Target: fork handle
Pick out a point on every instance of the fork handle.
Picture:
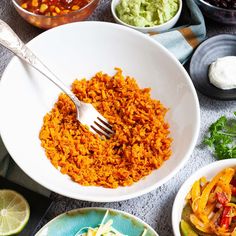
(11, 41)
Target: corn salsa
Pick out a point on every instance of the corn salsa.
(53, 7)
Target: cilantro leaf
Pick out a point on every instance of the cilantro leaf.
(222, 138)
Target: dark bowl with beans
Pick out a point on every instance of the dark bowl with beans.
(222, 11)
(47, 14)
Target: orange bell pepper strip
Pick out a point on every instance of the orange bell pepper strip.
(225, 174)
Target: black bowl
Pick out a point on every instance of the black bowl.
(221, 15)
(211, 49)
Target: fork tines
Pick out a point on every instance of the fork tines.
(102, 127)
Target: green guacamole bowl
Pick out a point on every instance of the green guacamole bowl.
(158, 28)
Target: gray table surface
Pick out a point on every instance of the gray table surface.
(154, 207)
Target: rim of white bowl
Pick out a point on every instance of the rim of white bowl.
(101, 208)
(186, 186)
(144, 190)
(177, 14)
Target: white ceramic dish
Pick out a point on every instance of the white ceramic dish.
(154, 29)
(80, 50)
(209, 172)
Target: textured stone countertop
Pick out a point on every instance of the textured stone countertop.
(154, 207)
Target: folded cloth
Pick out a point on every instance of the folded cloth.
(4, 160)
(181, 41)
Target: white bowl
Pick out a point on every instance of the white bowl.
(154, 29)
(209, 172)
(80, 50)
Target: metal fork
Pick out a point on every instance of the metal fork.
(86, 113)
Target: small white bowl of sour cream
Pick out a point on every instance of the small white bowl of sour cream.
(158, 28)
(212, 67)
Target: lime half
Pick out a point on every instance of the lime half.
(14, 212)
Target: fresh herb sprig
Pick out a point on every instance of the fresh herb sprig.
(222, 138)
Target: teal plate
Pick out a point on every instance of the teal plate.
(69, 223)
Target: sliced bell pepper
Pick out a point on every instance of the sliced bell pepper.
(222, 198)
(225, 219)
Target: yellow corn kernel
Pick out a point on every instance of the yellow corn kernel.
(24, 5)
(43, 8)
(35, 3)
(75, 8)
(54, 14)
(65, 12)
(52, 8)
(57, 10)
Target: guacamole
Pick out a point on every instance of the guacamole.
(146, 13)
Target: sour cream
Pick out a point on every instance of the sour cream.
(222, 72)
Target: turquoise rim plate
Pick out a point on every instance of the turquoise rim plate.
(69, 223)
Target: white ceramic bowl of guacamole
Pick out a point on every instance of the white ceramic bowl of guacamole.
(147, 16)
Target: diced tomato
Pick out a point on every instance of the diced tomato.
(66, 1)
(225, 220)
(222, 198)
(52, 2)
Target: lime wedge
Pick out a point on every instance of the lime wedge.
(14, 212)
